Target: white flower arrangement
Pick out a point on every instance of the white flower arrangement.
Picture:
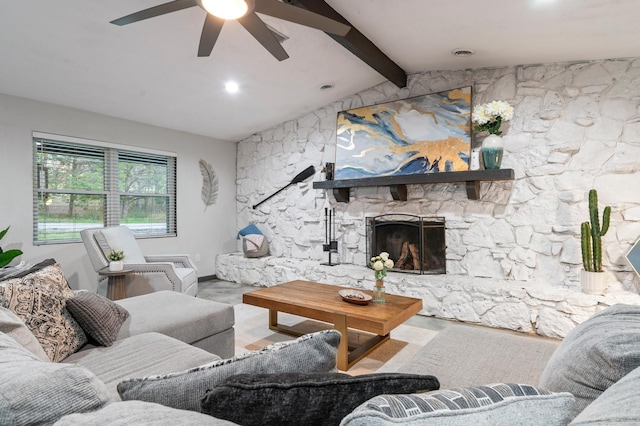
(380, 264)
(491, 115)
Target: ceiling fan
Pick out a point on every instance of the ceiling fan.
(244, 11)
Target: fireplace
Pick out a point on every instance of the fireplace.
(415, 243)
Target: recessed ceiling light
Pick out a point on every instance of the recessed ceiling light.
(462, 52)
(543, 2)
(231, 87)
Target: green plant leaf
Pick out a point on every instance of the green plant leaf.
(4, 232)
(7, 256)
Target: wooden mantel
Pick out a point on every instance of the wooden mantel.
(398, 184)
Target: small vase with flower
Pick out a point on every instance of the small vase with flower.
(115, 260)
(489, 117)
(380, 264)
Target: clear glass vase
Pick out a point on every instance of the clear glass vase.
(378, 292)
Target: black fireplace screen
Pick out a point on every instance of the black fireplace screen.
(415, 243)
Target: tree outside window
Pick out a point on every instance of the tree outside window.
(79, 186)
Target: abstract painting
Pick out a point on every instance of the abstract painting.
(425, 134)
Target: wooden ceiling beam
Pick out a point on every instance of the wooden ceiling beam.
(357, 43)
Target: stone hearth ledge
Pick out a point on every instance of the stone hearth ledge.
(527, 307)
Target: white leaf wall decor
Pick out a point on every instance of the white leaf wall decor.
(209, 184)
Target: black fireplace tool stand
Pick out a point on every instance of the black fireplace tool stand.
(331, 244)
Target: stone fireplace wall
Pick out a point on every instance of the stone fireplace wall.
(513, 257)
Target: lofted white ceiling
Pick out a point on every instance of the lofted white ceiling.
(66, 52)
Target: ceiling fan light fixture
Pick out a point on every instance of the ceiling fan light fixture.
(228, 9)
(244, 12)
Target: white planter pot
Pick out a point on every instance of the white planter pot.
(593, 282)
(116, 265)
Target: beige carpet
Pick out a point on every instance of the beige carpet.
(461, 356)
(252, 332)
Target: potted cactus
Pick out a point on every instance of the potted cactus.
(592, 277)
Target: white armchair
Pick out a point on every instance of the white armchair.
(153, 273)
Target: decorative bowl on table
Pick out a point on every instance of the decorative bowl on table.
(355, 296)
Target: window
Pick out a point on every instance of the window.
(82, 184)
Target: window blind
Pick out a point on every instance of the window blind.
(78, 186)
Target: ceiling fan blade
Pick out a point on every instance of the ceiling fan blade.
(265, 37)
(210, 33)
(152, 12)
(301, 16)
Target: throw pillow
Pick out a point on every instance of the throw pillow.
(254, 245)
(13, 326)
(140, 413)
(249, 229)
(315, 352)
(303, 398)
(38, 299)
(595, 355)
(491, 405)
(98, 316)
(119, 238)
(618, 405)
(11, 271)
(36, 392)
(31, 269)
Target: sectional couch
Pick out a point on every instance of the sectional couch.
(164, 332)
(154, 359)
(104, 343)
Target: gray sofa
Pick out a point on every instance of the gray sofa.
(165, 332)
(157, 333)
(161, 379)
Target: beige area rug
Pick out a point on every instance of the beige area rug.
(252, 332)
(461, 356)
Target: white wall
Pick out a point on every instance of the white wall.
(206, 233)
(513, 257)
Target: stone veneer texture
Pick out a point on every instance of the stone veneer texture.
(513, 257)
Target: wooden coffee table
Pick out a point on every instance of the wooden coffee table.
(323, 303)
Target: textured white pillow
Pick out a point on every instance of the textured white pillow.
(595, 355)
(36, 392)
(120, 238)
(618, 405)
(13, 326)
